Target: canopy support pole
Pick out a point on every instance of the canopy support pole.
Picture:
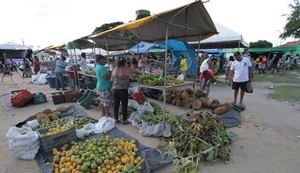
(106, 45)
(76, 72)
(196, 73)
(165, 76)
(239, 46)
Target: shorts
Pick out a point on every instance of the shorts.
(237, 85)
(105, 97)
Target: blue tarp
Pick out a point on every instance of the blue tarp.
(215, 53)
(141, 47)
(182, 48)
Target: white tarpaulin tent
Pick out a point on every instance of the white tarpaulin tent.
(226, 38)
(12, 46)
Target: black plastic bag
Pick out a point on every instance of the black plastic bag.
(249, 88)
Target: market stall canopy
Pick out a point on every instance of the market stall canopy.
(141, 47)
(56, 47)
(81, 43)
(226, 38)
(12, 46)
(111, 41)
(190, 22)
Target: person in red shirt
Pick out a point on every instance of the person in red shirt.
(207, 77)
(37, 64)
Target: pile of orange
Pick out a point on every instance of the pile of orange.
(97, 155)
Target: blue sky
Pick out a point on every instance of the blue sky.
(45, 22)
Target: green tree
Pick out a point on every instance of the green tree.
(125, 34)
(260, 43)
(292, 27)
(106, 26)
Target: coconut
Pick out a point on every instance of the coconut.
(214, 106)
(228, 105)
(57, 113)
(215, 101)
(53, 116)
(197, 104)
(203, 101)
(45, 119)
(62, 109)
(47, 111)
(209, 103)
(220, 110)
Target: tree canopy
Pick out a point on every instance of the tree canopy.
(106, 26)
(260, 44)
(292, 27)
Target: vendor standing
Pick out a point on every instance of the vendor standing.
(183, 65)
(60, 68)
(120, 85)
(103, 85)
(83, 64)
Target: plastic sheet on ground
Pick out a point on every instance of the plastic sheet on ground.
(145, 129)
(231, 117)
(153, 158)
(39, 79)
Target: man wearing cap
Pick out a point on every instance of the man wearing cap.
(241, 73)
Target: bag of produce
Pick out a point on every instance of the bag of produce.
(23, 142)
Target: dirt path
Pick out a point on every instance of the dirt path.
(270, 133)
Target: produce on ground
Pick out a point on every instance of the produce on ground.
(77, 121)
(183, 97)
(104, 154)
(157, 116)
(154, 80)
(201, 137)
(57, 129)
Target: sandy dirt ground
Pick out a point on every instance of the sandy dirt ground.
(269, 135)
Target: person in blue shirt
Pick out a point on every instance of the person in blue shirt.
(103, 85)
(59, 73)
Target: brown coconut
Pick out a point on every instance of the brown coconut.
(204, 101)
(220, 110)
(47, 111)
(197, 104)
(214, 106)
(57, 113)
(53, 116)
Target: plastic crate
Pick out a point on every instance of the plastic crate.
(51, 141)
(72, 96)
(39, 98)
(21, 99)
(58, 98)
(13, 93)
(87, 99)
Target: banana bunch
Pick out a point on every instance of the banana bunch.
(129, 168)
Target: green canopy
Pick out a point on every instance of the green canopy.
(272, 49)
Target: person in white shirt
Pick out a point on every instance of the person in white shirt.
(241, 72)
(205, 65)
(83, 64)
